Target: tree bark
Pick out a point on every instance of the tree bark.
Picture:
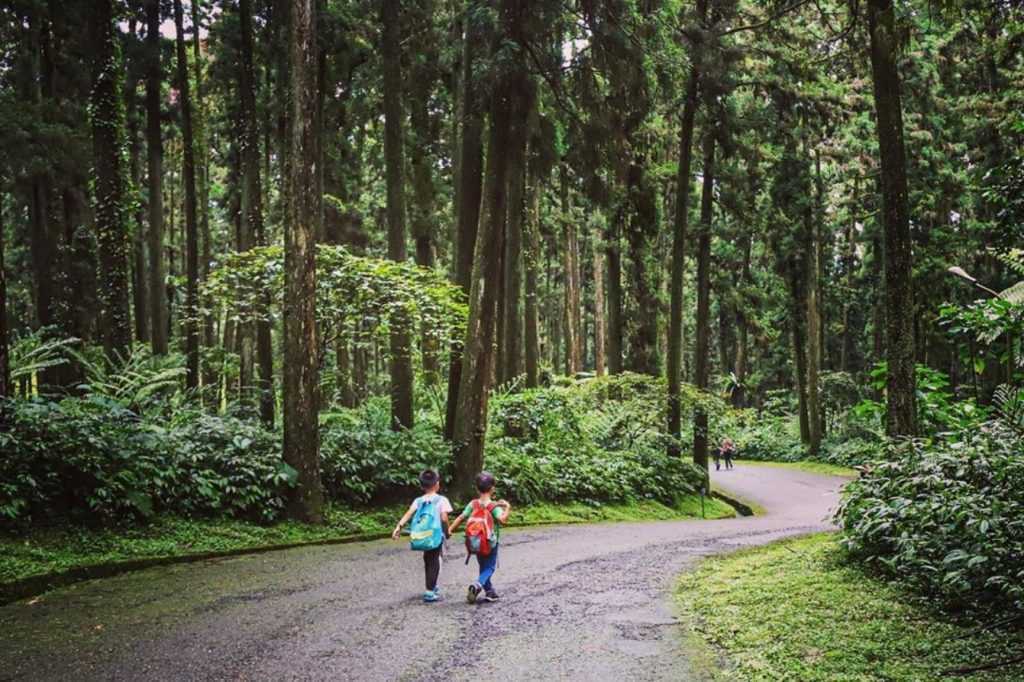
(154, 182)
(679, 236)
(478, 353)
(613, 250)
(512, 341)
(424, 75)
(531, 264)
(702, 355)
(6, 388)
(252, 210)
(643, 355)
(813, 312)
(191, 223)
(401, 352)
(570, 265)
(301, 349)
(901, 409)
(111, 235)
(470, 191)
(599, 326)
(739, 395)
(139, 285)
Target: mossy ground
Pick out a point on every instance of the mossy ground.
(796, 610)
(48, 550)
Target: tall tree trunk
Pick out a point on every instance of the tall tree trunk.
(531, 264)
(401, 353)
(679, 236)
(599, 326)
(423, 195)
(901, 409)
(154, 182)
(643, 355)
(191, 226)
(739, 394)
(301, 348)
(798, 308)
(570, 264)
(252, 209)
(813, 312)
(513, 324)
(702, 352)
(470, 191)
(478, 349)
(614, 254)
(6, 388)
(139, 294)
(107, 134)
(849, 260)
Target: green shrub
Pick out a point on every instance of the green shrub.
(93, 459)
(947, 516)
(363, 460)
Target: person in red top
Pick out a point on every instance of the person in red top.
(488, 562)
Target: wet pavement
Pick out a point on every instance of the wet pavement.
(578, 603)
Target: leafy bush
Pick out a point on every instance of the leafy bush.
(93, 459)
(766, 437)
(947, 516)
(363, 460)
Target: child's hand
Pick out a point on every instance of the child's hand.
(396, 532)
(503, 503)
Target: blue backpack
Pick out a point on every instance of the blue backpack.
(426, 533)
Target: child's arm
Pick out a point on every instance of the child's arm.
(444, 524)
(455, 524)
(505, 509)
(401, 522)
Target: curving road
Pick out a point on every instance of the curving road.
(582, 602)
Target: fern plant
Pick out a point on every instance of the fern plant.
(34, 352)
(134, 380)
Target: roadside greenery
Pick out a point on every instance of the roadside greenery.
(796, 610)
(54, 549)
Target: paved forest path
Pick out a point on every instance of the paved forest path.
(588, 602)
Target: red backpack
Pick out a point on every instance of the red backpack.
(480, 529)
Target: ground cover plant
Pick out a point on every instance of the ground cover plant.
(799, 610)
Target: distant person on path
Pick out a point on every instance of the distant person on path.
(727, 451)
(429, 514)
(484, 518)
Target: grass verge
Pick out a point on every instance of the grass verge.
(53, 550)
(794, 610)
(807, 465)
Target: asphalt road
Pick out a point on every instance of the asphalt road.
(578, 603)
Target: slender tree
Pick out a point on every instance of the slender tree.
(301, 347)
(154, 182)
(252, 204)
(188, 174)
(600, 330)
(901, 409)
(107, 133)
(6, 389)
(469, 193)
(702, 354)
(401, 351)
(531, 266)
(478, 355)
(679, 236)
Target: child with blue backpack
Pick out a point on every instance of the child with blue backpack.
(429, 515)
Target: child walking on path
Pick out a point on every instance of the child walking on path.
(430, 521)
(483, 532)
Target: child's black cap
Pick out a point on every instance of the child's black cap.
(429, 478)
(485, 482)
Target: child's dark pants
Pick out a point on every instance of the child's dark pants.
(432, 566)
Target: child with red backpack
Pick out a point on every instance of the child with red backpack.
(484, 518)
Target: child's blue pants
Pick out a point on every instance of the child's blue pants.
(487, 565)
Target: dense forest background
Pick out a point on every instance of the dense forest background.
(260, 252)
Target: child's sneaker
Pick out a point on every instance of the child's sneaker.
(429, 596)
(489, 596)
(472, 592)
